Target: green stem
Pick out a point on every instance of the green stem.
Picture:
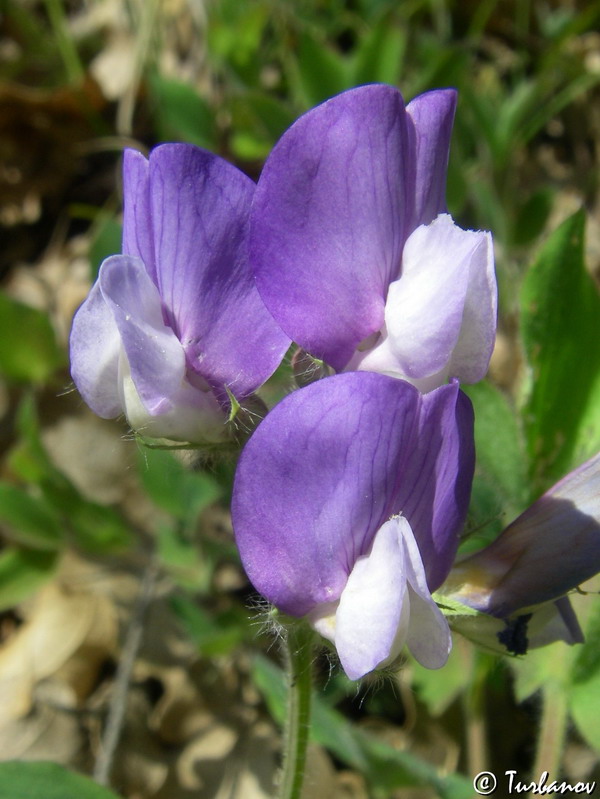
(297, 724)
(475, 721)
(56, 15)
(146, 28)
(553, 727)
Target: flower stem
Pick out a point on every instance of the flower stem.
(476, 728)
(297, 725)
(553, 727)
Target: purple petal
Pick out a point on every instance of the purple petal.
(200, 206)
(432, 115)
(435, 491)
(155, 356)
(94, 351)
(316, 481)
(330, 217)
(548, 550)
(331, 463)
(138, 238)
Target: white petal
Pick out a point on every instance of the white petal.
(429, 638)
(191, 416)
(440, 315)
(473, 350)
(370, 607)
(95, 343)
(424, 308)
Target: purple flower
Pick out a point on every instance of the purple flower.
(352, 251)
(347, 505)
(175, 322)
(547, 551)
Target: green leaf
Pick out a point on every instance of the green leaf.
(41, 780)
(181, 114)
(560, 324)
(584, 704)
(531, 217)
(321, 72)
(514, 109)
(500, 485)
(28, 348)
(247, 146)
(172, 487)
(31, 520)
(587, 662)
(106, 241)
(266, 117)
(96, 528)
(584, 689)
(22, 572)
(437, 690)
(214, 635)
(380, 53)
(187, 564)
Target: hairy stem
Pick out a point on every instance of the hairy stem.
(297, 724)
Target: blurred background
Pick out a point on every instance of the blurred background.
(103, 540)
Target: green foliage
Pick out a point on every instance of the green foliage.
(586, 664)
(380, 52)
(437, 690)
(93, 527)
(28, 520)
(321, 71)
(258, 120)
(386, 768)
(106, 241)
(500, 485)
(173, 487)
(182, 494)
(181, 114)
(560, 313)
(22, 572)
(42, 780)
(214, 634)
(574, 672)
(29, 351)
(585, 679)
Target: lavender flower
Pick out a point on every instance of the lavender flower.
(347, 504)
(175, 322)
(353, 252)
(546, 552)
